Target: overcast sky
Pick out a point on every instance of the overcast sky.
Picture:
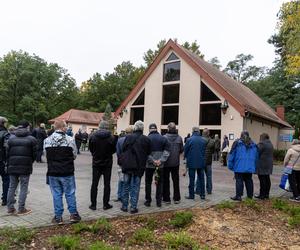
(91, 36)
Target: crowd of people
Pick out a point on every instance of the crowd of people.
(156, 156)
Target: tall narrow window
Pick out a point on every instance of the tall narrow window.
(171, 72)
(171, 93)
(170, 114)
(137, 108)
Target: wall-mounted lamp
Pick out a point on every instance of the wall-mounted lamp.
(124, 111)
(224, 107)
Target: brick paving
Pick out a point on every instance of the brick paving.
(40, 200)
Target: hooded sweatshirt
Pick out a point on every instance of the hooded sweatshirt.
(102, 146)
(176, 148)
(291, 157)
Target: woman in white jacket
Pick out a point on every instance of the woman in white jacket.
(292, 160)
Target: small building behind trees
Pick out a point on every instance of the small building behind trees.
(181, 87)
(81, 119)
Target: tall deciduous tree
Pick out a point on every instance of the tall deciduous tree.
(240, 70)
(32, 89)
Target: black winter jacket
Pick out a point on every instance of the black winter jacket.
(102, 146)
(142, 147)
(21, 152)
(175, 149)
(265, 160)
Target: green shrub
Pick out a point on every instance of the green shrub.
(17, 236)
(294, 221)
(226, 204)
(293, 210)
(141, 235)
(180, 240)
(100, 245)
(66, 242)
(151, 223)
(252, 204)
(101, 225)
(278, 155)
(280, 204)
(3, 246)
(181, 219)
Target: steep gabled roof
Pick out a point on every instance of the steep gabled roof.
(238, 95)
(80, 116)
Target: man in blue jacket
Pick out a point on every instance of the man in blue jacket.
(194, 151)
(242, 161)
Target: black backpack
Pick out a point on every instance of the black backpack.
(128, 158)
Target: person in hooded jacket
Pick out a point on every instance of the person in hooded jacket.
(194, 151)
(4, 135)
(292, 159)
(157, 158)
(171, 166)
(102, 146)
(264, 166)
(137, 147)
(21, 154)
(242, 161)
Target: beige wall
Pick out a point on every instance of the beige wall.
(256, 128)
(76, 127)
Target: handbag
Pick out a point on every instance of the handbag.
(284, 181)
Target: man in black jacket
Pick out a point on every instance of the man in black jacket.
(21, 155)
(172, 165)
(136, 149)
(4, 135)
(40, 135)
(102, 146)
(61, 152)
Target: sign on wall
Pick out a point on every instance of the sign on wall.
(286, 137)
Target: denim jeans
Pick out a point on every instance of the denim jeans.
(200, 183)
(208, 173)
(13, 184)
(131, 185)
(59, 186)
(120, 183)
(5, 182)
(240, 178)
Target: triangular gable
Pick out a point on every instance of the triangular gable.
(213, 79)
(140, 100)
(172, 57)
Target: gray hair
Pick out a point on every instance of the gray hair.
(172, 127)
(195, 129)
(138, 126)
(104, 125)
(3, 120)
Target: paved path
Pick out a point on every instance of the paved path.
(40, 200)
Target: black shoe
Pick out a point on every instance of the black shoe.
(117, 200)
(158, 204)
(189, 197)
(74, 218)
(258, 196)
(4, 203)
(58, 221)
(124, 209)
(107, 206)
(134, 210)
(167, 202)
(236, 198)
(92, 207)
(202, 197)
(147, 203)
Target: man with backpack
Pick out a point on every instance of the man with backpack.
(135, 151)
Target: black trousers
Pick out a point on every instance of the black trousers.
(5, 182)
(265, 185)
(240, 179)
(224, 157)
(294, 180)
(97, 172)
(174, 171)
(159, 186)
